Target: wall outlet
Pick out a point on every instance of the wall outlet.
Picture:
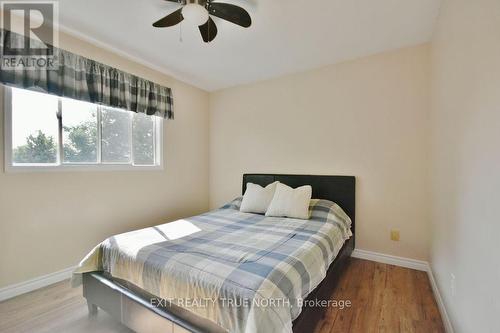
(453, 285)
(395, 235)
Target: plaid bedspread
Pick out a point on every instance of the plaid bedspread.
(244, 272)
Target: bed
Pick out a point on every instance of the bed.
(224, 270)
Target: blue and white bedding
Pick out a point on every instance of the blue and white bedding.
(244, 272)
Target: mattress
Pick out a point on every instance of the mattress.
(243, 272)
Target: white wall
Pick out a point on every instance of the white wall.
(367, 118)
(465, 173)
(49, 221)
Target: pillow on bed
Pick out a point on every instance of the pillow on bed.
(257, 198)
(328, 211)
(290, 202)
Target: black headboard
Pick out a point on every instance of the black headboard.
(339, 189)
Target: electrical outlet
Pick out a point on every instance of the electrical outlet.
(395, 235)
(453, 285)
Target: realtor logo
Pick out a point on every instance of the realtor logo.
(28, 35)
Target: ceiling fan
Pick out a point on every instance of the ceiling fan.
(198, 12)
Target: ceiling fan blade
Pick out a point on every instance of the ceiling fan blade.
(170, 20)
(231, 13)
(182, 2)
(208, 30)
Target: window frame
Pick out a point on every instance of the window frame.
(9, 166)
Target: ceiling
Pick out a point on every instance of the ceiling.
(287, 36)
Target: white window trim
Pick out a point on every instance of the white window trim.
(9, 167)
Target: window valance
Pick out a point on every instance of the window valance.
(80, 78)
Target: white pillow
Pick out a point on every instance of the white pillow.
(289, 202)
(256, 198)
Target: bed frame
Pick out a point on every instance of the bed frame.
(131, 305)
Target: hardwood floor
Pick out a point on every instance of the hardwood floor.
(384, 299)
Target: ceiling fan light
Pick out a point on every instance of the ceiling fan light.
(195, 14)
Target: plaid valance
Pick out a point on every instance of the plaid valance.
(80, 78)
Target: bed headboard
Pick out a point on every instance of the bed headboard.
(339, 189)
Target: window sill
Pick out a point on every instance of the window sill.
(80, 168)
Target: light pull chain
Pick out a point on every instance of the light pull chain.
(209, 25)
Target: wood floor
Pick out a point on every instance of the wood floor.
(384, 299)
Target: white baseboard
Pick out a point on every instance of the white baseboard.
(36, 283)
(391, 260)
(413, 264)
(439, 300)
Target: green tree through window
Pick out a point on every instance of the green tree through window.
(81, 144)
(143, 133)
(115, 136)
(39, 148)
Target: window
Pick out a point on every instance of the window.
(48, 132)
